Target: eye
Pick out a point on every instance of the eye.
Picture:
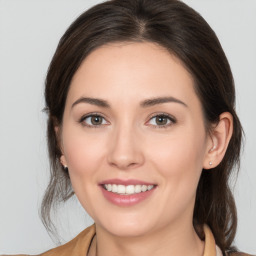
(162, 120)
(93, 120)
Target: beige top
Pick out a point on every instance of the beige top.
(80, 244)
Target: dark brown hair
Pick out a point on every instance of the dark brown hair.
(184, 33)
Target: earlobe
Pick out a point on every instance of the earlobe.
(220, 137)
(63, 161)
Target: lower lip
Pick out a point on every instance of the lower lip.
(126, 200)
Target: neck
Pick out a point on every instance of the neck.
(180, 240)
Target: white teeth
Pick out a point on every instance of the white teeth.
(127, 190)
(120, 189)
(114, 188)
(150, 187)
(137, 188)
(144, 188)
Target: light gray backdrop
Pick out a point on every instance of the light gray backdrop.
(29, 33)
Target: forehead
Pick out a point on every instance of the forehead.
(132, 70)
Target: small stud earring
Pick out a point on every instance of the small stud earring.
(210, 163)
(65, 168)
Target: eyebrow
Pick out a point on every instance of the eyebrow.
(145, 103)
(160, 100)
(92, 101)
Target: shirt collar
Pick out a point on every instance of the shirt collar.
(85, 238)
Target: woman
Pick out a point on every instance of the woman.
(142, 129)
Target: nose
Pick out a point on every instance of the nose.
(125, 149)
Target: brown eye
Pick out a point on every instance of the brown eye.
(162, 121)
(96, 120)
(93, 120)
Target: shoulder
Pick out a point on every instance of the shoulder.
(212, 249)
(76, 247)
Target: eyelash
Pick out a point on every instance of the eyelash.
(163, 115)
(170, 118)
(82, 119)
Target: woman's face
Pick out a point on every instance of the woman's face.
(132, 118)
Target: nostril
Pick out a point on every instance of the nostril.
(124, 152)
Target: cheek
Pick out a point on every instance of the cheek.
(179, 159)
(179, 162)
(82, 152)
(178, 151)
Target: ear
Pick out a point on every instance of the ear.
(57, 130)
(219, 140)
(63, 161)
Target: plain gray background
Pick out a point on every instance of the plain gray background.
(29, 33)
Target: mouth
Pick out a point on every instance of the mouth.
(126, 192)
(127, 189)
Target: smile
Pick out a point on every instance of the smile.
(127, 190)
(126, 193)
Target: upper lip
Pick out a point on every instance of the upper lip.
(125, 182)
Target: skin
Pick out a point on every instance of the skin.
(129, 143)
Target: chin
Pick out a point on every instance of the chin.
(127, 226)
(128, 230)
